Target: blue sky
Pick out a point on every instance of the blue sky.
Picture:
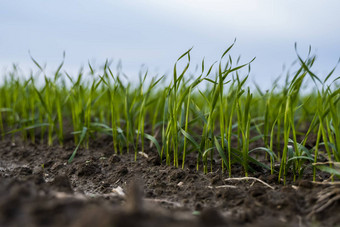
(156, 33)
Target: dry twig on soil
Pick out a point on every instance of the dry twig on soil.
(250, 178)
(223, 186)
(325, 199)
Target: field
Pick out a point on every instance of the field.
(199, 149)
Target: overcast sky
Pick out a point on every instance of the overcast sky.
(156, 33)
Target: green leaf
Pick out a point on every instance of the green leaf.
(270, 152)
(28, 127)
(191, 139)
(43, 102)
(82, 137)
(301, 157)
(205, 153)
(187, 52)
(220, 151)
(329, 170)
(154, 141)
(228, 49)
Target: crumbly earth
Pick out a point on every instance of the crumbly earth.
(100, 188)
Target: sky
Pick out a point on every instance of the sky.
(155, 33)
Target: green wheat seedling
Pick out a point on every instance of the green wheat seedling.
(210, 115)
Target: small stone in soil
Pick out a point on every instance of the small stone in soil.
(305, 184)
(211, 217)
(114, 158)
(134, 202)
(123, 171)
(62, 183)
(198, 207)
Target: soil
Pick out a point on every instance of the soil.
(100, 188)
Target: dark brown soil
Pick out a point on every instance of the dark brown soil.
(39, 188)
